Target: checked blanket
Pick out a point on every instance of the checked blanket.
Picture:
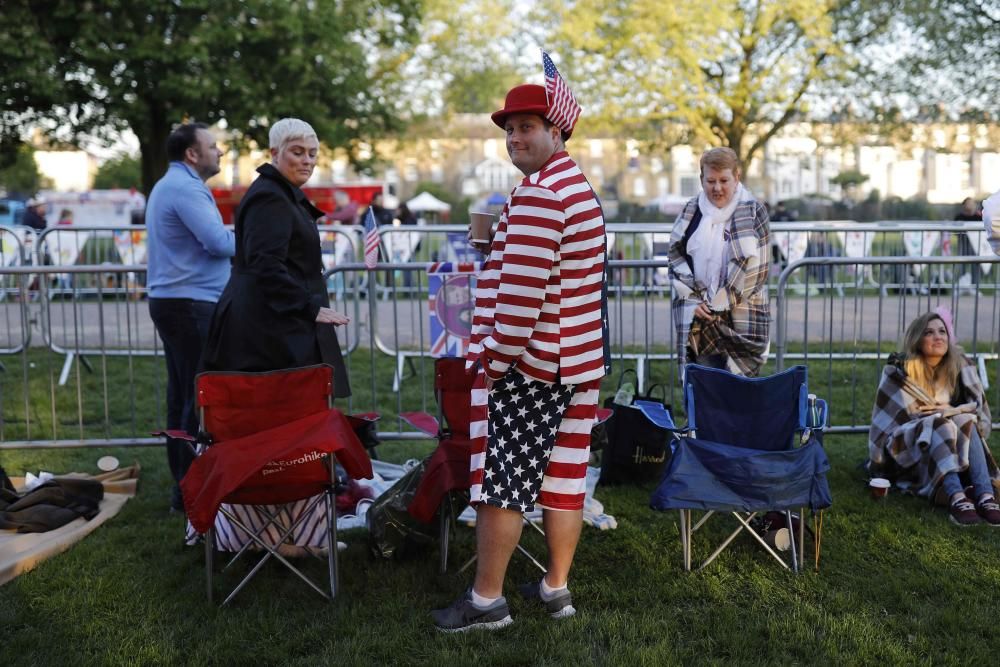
(914, 450)
(740, 331)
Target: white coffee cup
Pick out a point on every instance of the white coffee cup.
(879, 487)
(107, 463)
(780, 539)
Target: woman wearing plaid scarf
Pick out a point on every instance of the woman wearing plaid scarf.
(719, 258)
(930, 424)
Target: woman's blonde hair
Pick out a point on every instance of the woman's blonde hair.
(287, 130)
(720, 159)
(931, 379)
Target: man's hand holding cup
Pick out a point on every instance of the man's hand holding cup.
(481, 231)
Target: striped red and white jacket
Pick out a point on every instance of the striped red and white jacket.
(539, 296)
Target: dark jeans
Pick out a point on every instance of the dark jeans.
(183, 328)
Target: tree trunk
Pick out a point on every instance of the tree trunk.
(735, 135)
(153, 146)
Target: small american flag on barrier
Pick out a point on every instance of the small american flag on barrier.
(371, 239)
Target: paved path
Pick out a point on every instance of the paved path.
(636, 322)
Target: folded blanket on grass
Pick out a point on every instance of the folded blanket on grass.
(48, 505)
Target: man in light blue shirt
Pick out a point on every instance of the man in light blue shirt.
(991, 220)
(188, 257)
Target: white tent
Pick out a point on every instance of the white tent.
(425, 201)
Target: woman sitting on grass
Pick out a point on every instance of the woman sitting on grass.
(930, 424)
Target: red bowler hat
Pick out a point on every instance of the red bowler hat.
(526, 98)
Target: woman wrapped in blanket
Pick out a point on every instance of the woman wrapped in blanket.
(931, 422)
(719, 259)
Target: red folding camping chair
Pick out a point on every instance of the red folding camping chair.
(269, 439)
(447, 471)
(448, 468)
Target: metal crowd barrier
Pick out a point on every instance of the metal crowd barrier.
(106, 318)
(69, 246)
(110, 355)
(862, 325)
(126, 244)
(647, 310)
(96, 363)
(12, 244)
(120, 252)
(396, 326)
(447, 243)
(905, 238)
(791, 241)
(13, 290)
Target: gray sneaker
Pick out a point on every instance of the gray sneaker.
(561, 606)
(463, 615)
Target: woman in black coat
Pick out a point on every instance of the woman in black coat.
(275, 311)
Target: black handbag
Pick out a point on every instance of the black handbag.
(651, 396)
(637, 449)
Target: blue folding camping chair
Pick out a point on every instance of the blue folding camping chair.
(751, 446)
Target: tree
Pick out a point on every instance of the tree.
(730, 72)
(97, 67)
(463, 59)
(953, 57)
(849, 180)
(124, 171)
(21, 174)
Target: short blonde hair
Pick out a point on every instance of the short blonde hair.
(287, 130)
(720, 159)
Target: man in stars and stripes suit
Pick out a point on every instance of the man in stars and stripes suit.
(540, 347)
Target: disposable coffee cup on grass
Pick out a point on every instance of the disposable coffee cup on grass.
(879, 487)
(107, 463)
(481, 227)
(780, 539)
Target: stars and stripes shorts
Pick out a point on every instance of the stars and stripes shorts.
(531, 443)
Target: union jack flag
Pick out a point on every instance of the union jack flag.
(371, 239)
(563, 108)
(450, 290)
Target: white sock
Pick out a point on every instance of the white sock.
(480, 601)
(546, 592)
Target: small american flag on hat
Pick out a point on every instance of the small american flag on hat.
(371, 239)
(563, 108)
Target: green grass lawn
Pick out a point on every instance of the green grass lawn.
(898, 583)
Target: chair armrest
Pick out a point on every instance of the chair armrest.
(364, 426)
(422, 421)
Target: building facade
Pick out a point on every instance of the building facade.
(466, 155)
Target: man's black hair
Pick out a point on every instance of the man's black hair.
(182, 138)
